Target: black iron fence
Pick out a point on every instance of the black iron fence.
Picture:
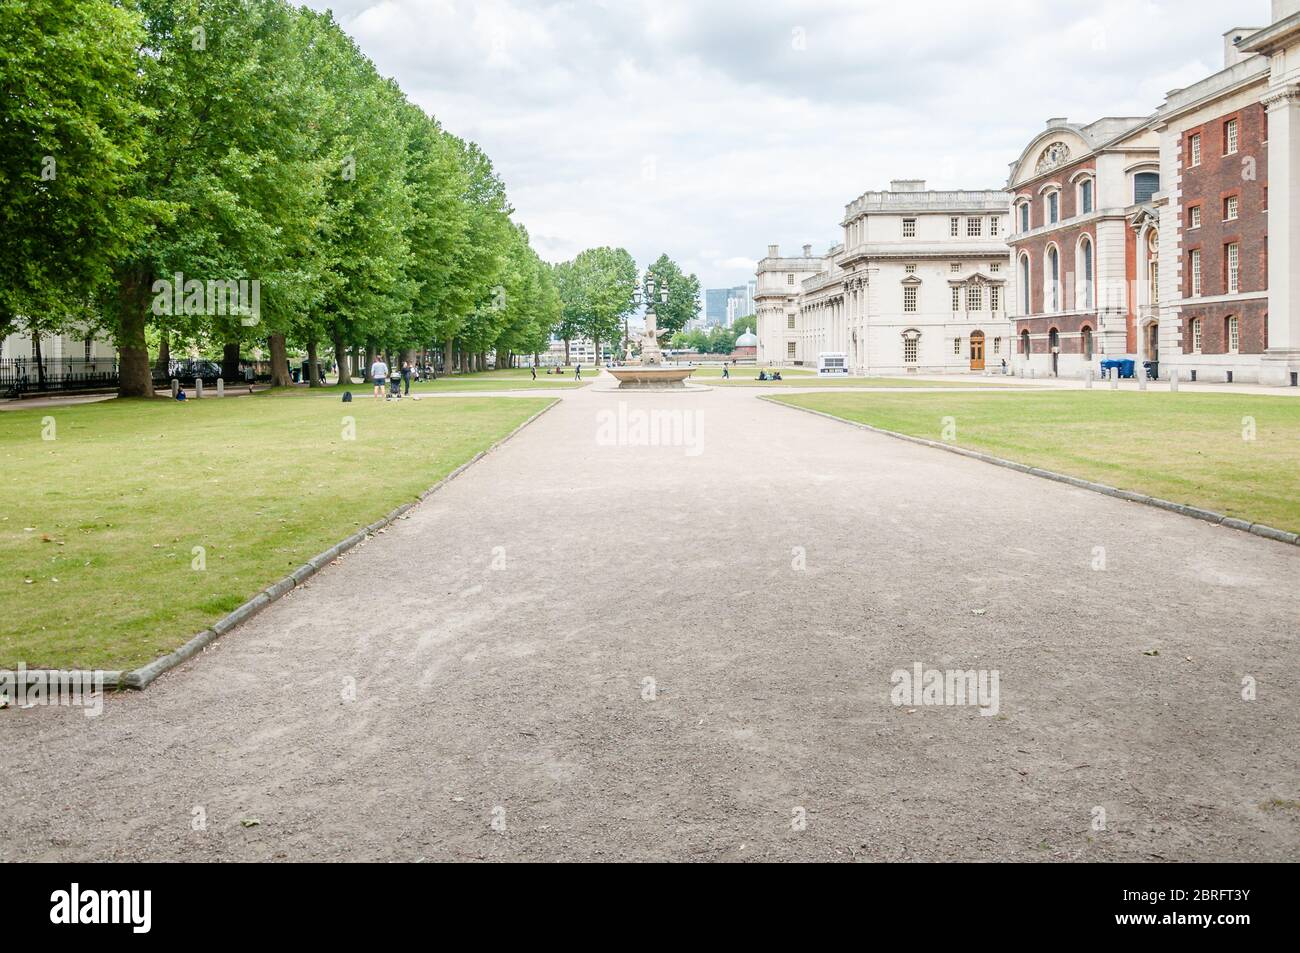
(21, 375)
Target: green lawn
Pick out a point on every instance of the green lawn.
(1187, 448)
(98, 526)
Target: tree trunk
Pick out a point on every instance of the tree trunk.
(134, 378)
(596, 343)
(448, 355)
(313, 364)
(230, 362)
(40, 358)
(341, 359)
(566, 352)
(163, 368)
(280, 376)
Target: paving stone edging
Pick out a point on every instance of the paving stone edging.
(1208, 516)
(141, 677)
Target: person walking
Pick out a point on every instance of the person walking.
(533, 368)
(379, 376)
(726, 374)
(577, 373)
(407, 371)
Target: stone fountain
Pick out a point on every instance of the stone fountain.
(650, 372)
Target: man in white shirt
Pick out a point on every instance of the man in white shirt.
(379, 376)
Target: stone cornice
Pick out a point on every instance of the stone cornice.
(1282, 95)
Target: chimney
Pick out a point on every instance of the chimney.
(773, 251)
(1057, 121)
(907, 185)
(807, 251)
(1232, 40)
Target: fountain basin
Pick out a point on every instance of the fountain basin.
(650, 377)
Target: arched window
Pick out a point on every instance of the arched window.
(1022, 215)
(1196, 335)
(911, 345)
(1086, 195)
(1025, 300)
(1024, 342)
(1084, 293)
(1145, 185)
(1052, 280)
(1232, 334)
(1085, 336)
(1052, 206)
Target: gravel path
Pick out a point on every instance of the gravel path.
(472, 684)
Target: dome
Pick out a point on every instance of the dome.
(748, 339)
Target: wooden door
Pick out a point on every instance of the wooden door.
(977, 351)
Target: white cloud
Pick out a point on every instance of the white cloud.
(670, 125)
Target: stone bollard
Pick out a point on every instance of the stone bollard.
(176, 388)
(1173, 381)
(1142, 378)
(1114, 378)
(1087, 378)
(198, 388)
(221, 387)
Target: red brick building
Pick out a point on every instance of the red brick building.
(1172, 239)
(1076, 190)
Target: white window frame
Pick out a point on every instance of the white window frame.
(1234, 334)
(911, 346)
(909, 228)
(974, 228)
(1194, 266)
(911, 299)
(1194, 150)
(1231, 208)
(1194, 217)
(974, 298)
(1232, 258)
(1196, 335)
(1231, 137)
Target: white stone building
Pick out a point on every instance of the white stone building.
(918, 285)
(777, 288)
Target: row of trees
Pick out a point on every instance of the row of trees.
(153, 151)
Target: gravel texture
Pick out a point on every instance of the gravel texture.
(471, 683)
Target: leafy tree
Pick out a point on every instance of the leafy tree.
(228, 167)
(573, 305)
(683, 294)
(609, 278)
(747, 324)
(71, 132)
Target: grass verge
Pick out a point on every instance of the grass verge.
(103, 526)
(1236, 454)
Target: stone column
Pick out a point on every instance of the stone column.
(1283, 356)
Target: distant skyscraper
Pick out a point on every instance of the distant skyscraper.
(722, 306)
(715, 306)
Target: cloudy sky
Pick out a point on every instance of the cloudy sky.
(709, 129)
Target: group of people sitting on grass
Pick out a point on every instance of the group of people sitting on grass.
(763, 375)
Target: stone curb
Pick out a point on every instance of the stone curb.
(1209, 516)
(141, 677)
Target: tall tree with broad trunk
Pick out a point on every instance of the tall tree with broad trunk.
(72, 133)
